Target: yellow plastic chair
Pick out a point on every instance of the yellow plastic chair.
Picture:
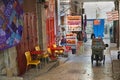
(37, 48)
(44, 55)
(51, 55)
(30, 61)
(59, 52)
(49, 51)
(54, 45)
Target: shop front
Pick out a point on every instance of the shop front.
(39, 29)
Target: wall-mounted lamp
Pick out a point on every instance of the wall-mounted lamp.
(41, 1)
(46, 5)
(44, 2)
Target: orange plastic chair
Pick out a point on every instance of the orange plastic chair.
(30, 61)
(44, 55)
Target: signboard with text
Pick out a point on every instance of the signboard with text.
(112, 16)
(74, 23)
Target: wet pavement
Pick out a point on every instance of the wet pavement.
(115, 64)
(79, 67)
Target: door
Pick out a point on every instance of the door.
(28, 42)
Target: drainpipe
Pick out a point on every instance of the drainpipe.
(116, 26)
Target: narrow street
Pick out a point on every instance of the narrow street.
(59, 39)
(78, 67)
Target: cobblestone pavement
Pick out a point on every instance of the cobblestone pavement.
(78, 67)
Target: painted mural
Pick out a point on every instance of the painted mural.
(11, 23)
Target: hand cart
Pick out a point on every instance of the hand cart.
(98, 48)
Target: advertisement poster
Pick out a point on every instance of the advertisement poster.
(11, 23)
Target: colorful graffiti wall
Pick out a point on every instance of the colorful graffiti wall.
(11, 23)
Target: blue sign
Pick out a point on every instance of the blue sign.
(99, 28)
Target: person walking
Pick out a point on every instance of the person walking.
(63, 41)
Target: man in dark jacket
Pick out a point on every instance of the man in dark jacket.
(92, 36)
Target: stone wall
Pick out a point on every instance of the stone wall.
(2, 65)
(8, 63)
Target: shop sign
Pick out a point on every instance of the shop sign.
(74, 23)
(96, 22)
(112, 16)
(74, 28)
(73, 17)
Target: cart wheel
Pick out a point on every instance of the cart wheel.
(92, 59)
(97, 58)
(104, 59)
